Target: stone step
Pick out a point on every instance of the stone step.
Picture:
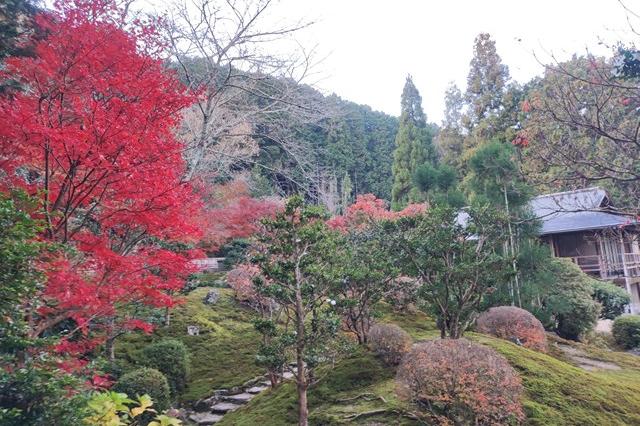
(257, 389)
(224, 407)
(287, 375)
(204, 419)
(241, 398)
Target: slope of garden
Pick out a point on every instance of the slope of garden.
(223, 352)
(360, 389)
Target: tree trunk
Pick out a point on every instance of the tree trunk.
(167, 317)
(303, 409)
(301, 376)
(110, 349)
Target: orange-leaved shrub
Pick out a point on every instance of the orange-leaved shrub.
(458, 382)
(514, 324)
(389, 342)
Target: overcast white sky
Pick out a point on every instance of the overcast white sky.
(372, 44)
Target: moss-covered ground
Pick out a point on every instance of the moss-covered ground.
(222, 355)
(360, 389)
(556, 392)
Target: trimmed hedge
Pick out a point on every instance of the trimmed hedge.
(459, 382)
(626, 331)
(389, 342)
(146, 381)
(514, 324)
(171, 358)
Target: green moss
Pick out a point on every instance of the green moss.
(221, 356)
(331, 401)
(560, 394)
(556, 392)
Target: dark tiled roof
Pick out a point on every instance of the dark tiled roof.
(579, 210)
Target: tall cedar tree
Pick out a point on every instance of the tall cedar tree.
(486, 84)
(93, 137)
(413, 147)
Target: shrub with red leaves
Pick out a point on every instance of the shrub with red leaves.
(389, 342)
(457, 382)
(514, 324)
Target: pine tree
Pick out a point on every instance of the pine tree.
(414, 146)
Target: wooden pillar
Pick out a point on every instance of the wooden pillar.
(627, 278)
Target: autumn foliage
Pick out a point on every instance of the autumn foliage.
(459, 382)
(389, 342)
(93, 138)
(240, 279)
(514, 324)
(368, 209)
(231, 212)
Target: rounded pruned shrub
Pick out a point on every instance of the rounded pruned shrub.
(171, 358)
(455, 381)
(514, 324)
(626, 331)
(146, 381)
(613, 299)
(389, 342)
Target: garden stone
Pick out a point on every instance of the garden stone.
(205, 418)
(205, 404)
(241, 398)
(211, 298)
(224, 407)
(235, 390)
(193, 330)
(252, 382)
(257, 389)
(287, 375)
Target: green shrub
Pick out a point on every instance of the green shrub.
(39, 395)
(626, 331)
(146, 381)
(567, 306)
(612, 298)
(171, 358)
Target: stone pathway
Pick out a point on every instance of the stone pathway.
(582, 359)
(211, 410)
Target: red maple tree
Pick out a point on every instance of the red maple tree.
(92, 135)
(231, 212)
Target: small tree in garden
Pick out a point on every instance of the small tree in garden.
(240, 279)
(457, 263)
(295, 253)
(458, 382)
(514, 324)
(367, 273)
(367, 270)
